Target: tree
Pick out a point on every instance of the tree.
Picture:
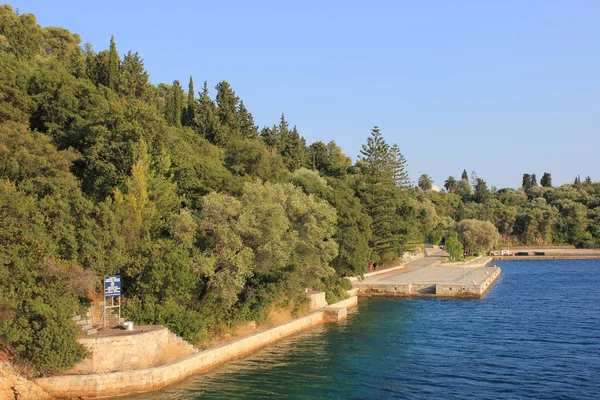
(174, 105)
(64, 45)
(227, 103)
(425, 182)
(190, 109)
(248, 129)
(133, 77)
(473, 181)
(529, 182)
(293, 149)
(328, 159)
(19, 34)
(546, 180)
(450, 184)
(481, 192)
(464, 175)
(113, 65)
(453, 246)
(476, 235)
(379, 197)
(463, 189)
(401, 178)
(207, 118)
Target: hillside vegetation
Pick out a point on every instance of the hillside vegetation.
(208, 218)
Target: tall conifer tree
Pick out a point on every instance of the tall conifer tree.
(113, 65)
(379, 195)
(174, 105)
(190, 109)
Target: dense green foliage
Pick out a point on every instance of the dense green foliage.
(209, 219)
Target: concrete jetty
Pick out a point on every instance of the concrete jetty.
(428, 277)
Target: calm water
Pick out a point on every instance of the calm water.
(536, 335)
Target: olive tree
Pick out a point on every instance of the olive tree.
(476, 235)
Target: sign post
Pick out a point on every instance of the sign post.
(112, 290)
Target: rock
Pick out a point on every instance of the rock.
(15, 387)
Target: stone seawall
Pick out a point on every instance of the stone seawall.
(467, 290)
(435, 282)
(549, 257)
(144, 380)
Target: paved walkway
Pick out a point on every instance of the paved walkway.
(429, 271)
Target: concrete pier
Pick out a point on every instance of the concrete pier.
(429, 278)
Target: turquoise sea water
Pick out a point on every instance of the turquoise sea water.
(536, 335)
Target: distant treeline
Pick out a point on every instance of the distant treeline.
(209, 219)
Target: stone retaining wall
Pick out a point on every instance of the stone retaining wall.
(135, 351)
(144, 380)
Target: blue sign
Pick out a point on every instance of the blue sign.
(112, 285)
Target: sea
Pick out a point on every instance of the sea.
(535, 335)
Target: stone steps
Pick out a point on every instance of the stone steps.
(182, 342)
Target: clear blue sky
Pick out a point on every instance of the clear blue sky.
(497, 87)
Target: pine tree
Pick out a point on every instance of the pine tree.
(473, 181)
(113, 65)
(133, 78)
(379, 198)
(248, 128)
(376, 156)
(401, 178)
(293, 149)
(91, 63)
(227, 103)
(207, 118)
(271, 138)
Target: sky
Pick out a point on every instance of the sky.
(498, 87)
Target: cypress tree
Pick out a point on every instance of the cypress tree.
(190, 110)
(174, 105)
(526, 182)
(546, 180)
(464, 175)
(113, 65)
